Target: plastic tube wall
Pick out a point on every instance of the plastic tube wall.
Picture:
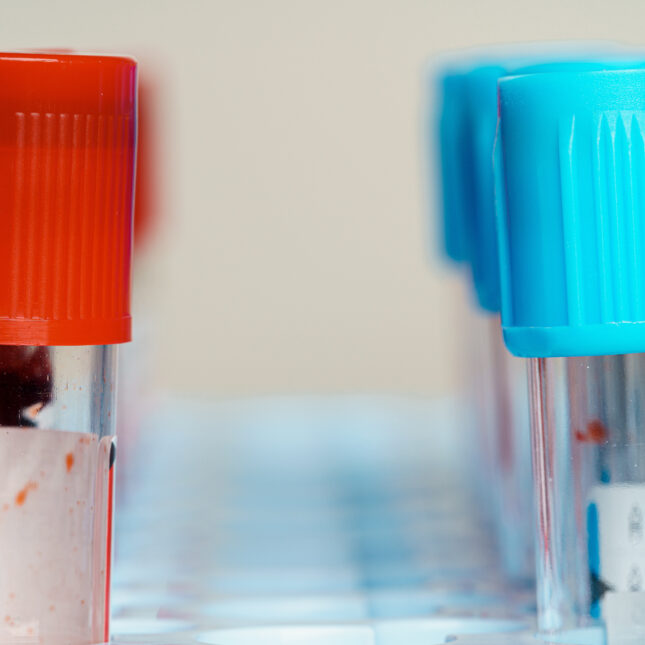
(57, 453)
(589, 464)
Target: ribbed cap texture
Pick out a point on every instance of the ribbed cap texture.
(572, 217)
(67, 148)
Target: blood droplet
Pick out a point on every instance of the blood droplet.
(22, 494)
(69, 461)
(596, 432)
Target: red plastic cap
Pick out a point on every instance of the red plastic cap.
(67, 147)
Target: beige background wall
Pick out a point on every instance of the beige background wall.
(294, 251)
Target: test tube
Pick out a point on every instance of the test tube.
(496, 382)
(68, 129)
(501, 377)
(448, 133)
(571, 173)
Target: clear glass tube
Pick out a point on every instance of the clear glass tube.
(57, 453)
(478, 363)
(503, 423)
(511, 473)
(588, 441)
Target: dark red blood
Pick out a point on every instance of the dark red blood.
(25, 380)
(596, 432)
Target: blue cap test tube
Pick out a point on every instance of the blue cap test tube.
(570, 168)
(448, 139)
(498, 384)
(497, 381)
(502, 376)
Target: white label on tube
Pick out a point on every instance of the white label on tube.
(619, 559)
(54, 502)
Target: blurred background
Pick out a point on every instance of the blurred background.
(293, 250)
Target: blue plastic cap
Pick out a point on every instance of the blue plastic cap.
(481, 116)
(481, 124)
(456, 193)
(570, 166)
